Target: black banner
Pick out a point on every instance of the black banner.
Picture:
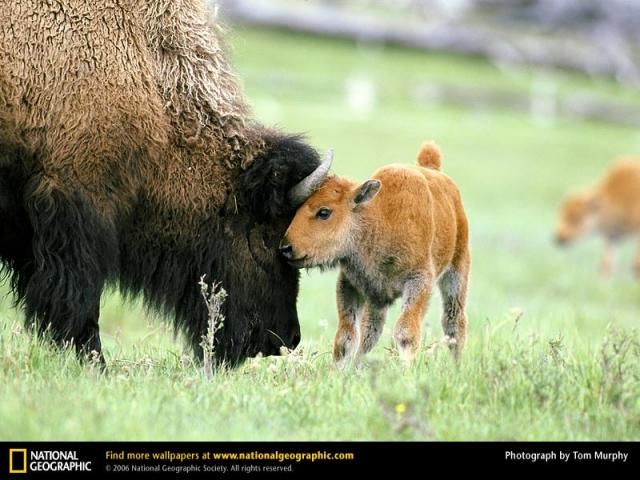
(289, 459)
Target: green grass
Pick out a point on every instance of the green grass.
(552, 354)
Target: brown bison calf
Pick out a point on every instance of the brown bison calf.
(611, 208)
(392, 236)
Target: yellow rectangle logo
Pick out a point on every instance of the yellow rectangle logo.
(17, 464)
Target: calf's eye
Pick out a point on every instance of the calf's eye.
(323, 213)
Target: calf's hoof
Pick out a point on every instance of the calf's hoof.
(344, 351)
(407, 348)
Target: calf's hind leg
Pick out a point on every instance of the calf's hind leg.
(453, 287)
(371, 325)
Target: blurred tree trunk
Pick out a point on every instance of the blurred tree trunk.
(583, 35)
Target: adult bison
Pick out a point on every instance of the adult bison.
(127, 157)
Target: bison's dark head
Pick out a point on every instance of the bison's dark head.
(282, 177)
(275, 184)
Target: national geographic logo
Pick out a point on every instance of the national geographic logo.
(23, 461)
(17, 460)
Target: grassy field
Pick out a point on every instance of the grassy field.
(552, 352)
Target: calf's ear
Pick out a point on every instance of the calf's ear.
(366, 192)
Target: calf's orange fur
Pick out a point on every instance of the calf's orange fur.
(611, 209)
(393, 236)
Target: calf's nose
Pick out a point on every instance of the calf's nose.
(286, 250)
(560, 241)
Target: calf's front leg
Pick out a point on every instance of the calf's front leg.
(408, 329)
(636, 262)
(607, 259)
(350, 306)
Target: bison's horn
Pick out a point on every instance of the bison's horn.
(303, 190)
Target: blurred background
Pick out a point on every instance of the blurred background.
(589, 37)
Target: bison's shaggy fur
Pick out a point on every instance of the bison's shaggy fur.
(127, 156)
(396, 235)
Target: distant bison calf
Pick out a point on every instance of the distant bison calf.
(611, 208)
(392, 236)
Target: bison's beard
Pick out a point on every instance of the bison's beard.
(260, 309)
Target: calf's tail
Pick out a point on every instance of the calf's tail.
(429, 156)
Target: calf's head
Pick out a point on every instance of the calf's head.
(325, 228)
(271, 188)
(576, 217)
